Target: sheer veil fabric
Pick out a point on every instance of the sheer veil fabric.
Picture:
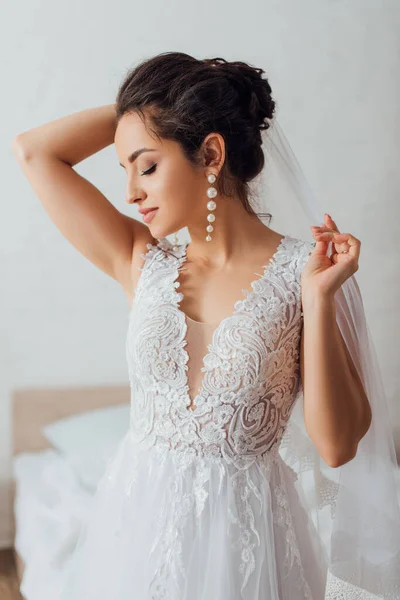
(354, 507)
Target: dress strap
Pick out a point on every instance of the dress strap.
(159, 259)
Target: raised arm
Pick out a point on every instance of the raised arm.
(47, 155)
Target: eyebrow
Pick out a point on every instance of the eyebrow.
(132, 157)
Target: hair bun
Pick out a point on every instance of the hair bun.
(254, 90)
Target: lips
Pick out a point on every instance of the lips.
(144, 211)
(148, 216)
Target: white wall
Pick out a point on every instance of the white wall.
(334, 67)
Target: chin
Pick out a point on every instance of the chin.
(161, 232)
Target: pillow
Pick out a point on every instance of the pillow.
(88, 440)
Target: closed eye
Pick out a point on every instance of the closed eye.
(149, 171)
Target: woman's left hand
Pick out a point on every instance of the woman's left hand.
(325, 274)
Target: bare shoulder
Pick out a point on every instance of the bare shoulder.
(130, 270)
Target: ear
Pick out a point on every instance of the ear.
(213, 151)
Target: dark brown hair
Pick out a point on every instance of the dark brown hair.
(183, 99)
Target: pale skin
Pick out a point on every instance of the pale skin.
(337, 411)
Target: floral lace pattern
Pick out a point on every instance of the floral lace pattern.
(251, 379)
(251, 370)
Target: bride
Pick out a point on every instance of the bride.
(258, 461)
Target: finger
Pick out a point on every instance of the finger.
(330, 222)
(321, 247)
(330, 237)
(328, 225)
(340, 237)
(343, 241)
(320, 228)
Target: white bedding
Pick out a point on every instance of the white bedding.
(50, 507)
(54, 491)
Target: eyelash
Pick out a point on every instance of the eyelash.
(149, 171)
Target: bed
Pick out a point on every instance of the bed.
(52, 487)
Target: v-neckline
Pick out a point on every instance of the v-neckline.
(196, 401)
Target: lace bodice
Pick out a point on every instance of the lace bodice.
(251, 370)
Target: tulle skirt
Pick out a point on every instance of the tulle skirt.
(166, 528)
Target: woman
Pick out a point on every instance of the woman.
(197, 502)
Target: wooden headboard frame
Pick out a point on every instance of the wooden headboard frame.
(35, 407)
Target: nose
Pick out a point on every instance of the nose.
(131, 198)
(133, 191)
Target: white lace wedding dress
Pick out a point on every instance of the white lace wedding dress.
(197, 503)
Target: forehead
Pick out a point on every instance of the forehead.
(131, 129)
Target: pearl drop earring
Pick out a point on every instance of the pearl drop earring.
(211, 205)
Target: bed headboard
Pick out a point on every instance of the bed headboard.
(35, 407)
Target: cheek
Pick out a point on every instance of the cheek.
(178, 191)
